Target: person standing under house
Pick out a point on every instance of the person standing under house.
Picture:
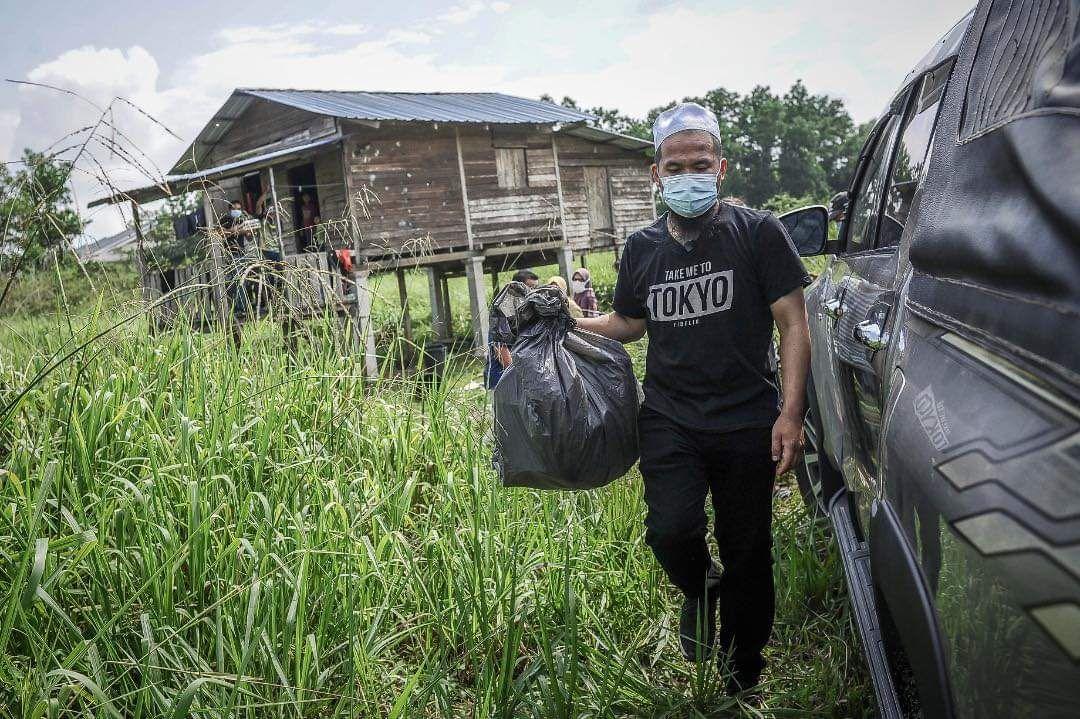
(270, 244)
(498, 357)
(707, 281)
(309, 221)
(571, 306)
(584, 295)
(238, 233)
(266, 213)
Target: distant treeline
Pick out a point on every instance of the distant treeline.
(797, 144)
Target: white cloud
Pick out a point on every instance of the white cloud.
(100, 70)
(500, 7)
(288, 31)
(559, 52)
(407, 37)
(348, 29)
(130, 148)
(460, 14)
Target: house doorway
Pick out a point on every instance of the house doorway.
(305, 196)
(250, 192)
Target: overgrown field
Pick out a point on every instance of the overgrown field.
(193, 529)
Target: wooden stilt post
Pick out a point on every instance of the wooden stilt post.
(222, 304)
(440, 326)
(495, 282)
(447, 313)
(403, 294)
(566, 264)
(365, 330)
(277, 214)
(474, 273)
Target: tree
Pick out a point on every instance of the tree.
(35, 207)
(609, 119)
(798, 144)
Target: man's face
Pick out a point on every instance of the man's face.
(686, 152)
(531, 282)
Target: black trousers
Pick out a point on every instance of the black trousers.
(681, 466)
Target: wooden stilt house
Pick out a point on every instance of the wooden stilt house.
(450, 182)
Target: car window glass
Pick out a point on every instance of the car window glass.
(864, 212)
(911, 156)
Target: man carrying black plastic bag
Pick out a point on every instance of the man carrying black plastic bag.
(566, 407)
(707, 281)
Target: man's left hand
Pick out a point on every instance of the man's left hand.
(787, 442)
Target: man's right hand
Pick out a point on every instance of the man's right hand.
(614, 326)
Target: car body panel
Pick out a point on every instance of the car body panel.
(958, 451)
(982, 472)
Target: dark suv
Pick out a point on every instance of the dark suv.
(943, 417)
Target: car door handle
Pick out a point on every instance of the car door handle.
(833, 307)
(871, 334)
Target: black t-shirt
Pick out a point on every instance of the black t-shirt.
(707, 311)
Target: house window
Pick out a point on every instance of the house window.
(598, 198)
(510, 167)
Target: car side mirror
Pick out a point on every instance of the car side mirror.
(808, 228)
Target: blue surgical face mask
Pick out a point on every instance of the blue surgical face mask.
(689, 195)
(235, 213)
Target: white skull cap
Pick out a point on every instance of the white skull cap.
(685, 116)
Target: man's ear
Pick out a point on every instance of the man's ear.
(723, 168)
(654, 172)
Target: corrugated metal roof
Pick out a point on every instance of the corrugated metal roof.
(450, 107)
(176, 183)
(607, 137)
(107, 248)
(466, 107)
(490, 107)
(223, 119)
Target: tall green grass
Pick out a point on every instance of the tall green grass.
(193, 529)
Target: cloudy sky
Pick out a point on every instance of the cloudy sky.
(178, 61)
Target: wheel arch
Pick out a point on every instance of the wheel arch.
(832, 480)
(900, 580)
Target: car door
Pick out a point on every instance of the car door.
(823, 302)
(868, 274)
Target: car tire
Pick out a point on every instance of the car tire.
(808, 475)
(809, 471)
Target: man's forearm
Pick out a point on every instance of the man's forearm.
(614, 326)
(794, 365)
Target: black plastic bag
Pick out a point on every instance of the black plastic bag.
(566, 408)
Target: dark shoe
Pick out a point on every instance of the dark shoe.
(697, 626)
(745, 677)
